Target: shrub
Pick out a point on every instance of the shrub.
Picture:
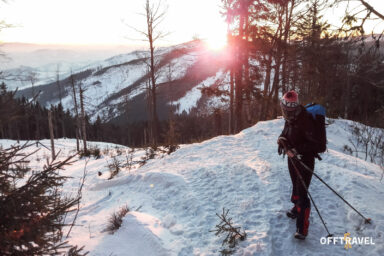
(95, 151)
(116, 219)
(171, 148)
(114, 167)
(106, 151)
(92, 151)
(232, 234)
(150, 153)
(129, 159)
(84, 153)
(369, 141)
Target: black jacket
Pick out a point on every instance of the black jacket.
(299, 134)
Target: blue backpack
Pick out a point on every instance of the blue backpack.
(320, 136)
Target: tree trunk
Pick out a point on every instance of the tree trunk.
(239, 73)
(150, 24)
(275, 87)
(37, 118)
(247, 81)
(78, 132)
(231, 101)
(267, 82)
(238, 95)
(288, 19)
(84, 133)
(51, 134)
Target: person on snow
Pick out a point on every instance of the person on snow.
(296, 141)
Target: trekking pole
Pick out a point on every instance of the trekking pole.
(367, 220)
(310, 196)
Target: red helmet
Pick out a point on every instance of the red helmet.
(290, 105)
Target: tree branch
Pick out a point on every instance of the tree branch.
(371, 9)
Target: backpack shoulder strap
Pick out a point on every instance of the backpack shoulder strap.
(310, 105)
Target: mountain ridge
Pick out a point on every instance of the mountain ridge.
(119, 81)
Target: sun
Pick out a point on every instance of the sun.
(216, 43)
(217, 39)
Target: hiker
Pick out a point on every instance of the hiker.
(297, 140)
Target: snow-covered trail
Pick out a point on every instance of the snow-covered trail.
(179, 196)
(243, 173)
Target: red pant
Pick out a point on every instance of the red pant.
(299, 193)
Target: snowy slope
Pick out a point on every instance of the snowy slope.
(191, 98)
(20, 78)
(46, 60)
(179, 195)
(120, 80)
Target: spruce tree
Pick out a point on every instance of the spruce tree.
(32, 206)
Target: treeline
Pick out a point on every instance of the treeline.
(181, 129)
(280, 45)
(22, 119)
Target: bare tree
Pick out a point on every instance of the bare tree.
(356, 16)
(78, 131)
(83, 125)
(154, 12)
(58, 82)
(51, 134)
(33, 79)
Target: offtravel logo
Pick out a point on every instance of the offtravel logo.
(347, 240)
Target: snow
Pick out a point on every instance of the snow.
(191, 98)
(221, 102)
(174, 199)
(189, 101)
(105, 92)
(177, 68)
(100, 88)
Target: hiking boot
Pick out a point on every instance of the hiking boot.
(292, 213)
(300, 236)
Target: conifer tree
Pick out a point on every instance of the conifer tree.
(32, 206)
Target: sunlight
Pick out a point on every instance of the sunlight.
(216, 39)
(216, 43)
(106, 24)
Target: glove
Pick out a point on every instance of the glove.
(280, 150)
(281, 141)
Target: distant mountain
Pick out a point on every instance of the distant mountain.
(36, 55)
(45, 61)
(116, 87)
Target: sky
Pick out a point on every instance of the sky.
(105, 21)
(109, 22)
